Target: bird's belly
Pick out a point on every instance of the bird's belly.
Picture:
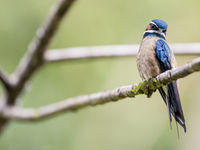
(147, 63)
(148, 68)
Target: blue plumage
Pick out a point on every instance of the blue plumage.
(161, 24)
(163, 54)
(170, 94)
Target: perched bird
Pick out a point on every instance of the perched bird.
(155, 57)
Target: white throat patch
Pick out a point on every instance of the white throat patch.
(153, 31)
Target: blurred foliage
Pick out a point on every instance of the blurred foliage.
(138, 123)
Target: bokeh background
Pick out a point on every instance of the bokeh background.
(138, 123)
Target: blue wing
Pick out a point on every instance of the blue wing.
(169, 94)
(163, 54)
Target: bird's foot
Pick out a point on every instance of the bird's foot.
(151, 86)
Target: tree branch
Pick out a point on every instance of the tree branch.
(5, 82)
(71, 104)
(112, 51)
(34, 57)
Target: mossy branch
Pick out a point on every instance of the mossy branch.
(146, 87)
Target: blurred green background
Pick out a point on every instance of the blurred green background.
(138, 123)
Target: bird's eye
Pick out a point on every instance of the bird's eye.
(153, 27)
(164, 30)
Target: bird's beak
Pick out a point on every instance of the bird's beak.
(148, 27)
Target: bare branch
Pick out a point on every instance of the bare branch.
(5, 81)
(76, 103)
(112, 51)
(34, 57)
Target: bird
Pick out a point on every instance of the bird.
(155, 57)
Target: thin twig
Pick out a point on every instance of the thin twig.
(71, 104)
(112, 51)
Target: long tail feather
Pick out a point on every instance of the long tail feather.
(176, 104)
(172, 100)
(166, 100)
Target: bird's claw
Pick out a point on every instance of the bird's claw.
(150, 87)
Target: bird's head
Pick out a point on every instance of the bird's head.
(157, 26)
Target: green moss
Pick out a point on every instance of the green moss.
(146, 87)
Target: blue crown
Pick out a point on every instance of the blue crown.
(161, 24)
